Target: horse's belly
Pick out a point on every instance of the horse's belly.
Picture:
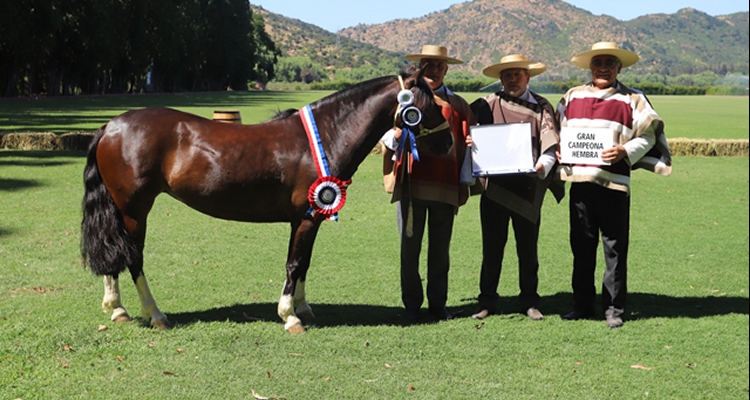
(261, 204)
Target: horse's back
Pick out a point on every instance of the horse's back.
(241, 172)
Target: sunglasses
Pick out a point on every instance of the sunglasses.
(608, 62)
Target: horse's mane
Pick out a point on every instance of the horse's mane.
(422, 96)
(366, 88)
(283, 114)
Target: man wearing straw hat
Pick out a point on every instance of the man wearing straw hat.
(431, 189)
(516, 197)
(600, 193)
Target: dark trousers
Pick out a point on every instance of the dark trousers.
(595, 209)
(495, 219)
(438, 217)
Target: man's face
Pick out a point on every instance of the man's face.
(604, 70)
(435, 71)
(515, 81)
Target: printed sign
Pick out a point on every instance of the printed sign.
(585, 145)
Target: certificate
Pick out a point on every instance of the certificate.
(501, 149)
(585, 145)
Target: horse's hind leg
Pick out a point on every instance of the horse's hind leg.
(111, 301)
(149, 310)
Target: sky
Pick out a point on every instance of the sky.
(334, 15)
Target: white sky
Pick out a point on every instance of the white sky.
(334, 15)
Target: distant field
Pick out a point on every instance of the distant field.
(692, 117)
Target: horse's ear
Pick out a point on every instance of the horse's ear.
(413, 80)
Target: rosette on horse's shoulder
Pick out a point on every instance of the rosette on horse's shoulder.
(327, 195)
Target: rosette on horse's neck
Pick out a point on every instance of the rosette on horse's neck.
(327, 194)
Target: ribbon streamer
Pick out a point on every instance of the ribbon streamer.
(327, 194)
(408, 135)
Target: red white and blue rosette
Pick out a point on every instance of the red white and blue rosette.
(327, 195)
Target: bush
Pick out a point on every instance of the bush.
(553, 86)
(467, 85)
(332, 85)
(727, 90)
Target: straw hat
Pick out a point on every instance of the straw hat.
(627, 58)
(514, 61)
(434, 51)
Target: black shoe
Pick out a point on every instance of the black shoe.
(614, 322)
(441, 314)
(578, 314)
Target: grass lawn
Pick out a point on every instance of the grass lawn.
(685, 336)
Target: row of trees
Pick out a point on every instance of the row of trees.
(304, 70)
(68, 47)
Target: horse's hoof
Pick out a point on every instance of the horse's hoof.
(122, 318)
(296, 329)
(162, 324)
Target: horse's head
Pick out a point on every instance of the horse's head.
(420, 113)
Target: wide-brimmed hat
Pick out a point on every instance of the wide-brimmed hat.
(514, 61)
(434, 51)
(627, 58)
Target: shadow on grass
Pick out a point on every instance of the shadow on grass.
(640, 306)
(57, 114)
(13, 184)
(36, 158)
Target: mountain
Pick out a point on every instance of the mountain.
(480, 32)
(298, 39)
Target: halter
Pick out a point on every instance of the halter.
(411, 117)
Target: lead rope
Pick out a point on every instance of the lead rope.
(409, 231)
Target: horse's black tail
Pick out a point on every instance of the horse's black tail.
(105, 244)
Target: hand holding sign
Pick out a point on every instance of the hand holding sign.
(590, 146)
(613, 155)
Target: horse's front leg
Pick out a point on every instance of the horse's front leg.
(292, 304)
(301, 308)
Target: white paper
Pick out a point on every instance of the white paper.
(501, 149)
(585, 145)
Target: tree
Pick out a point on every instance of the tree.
(266, 53)
(298, 69)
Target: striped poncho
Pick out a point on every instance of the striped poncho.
(637, 128)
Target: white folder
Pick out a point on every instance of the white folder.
(502, 149)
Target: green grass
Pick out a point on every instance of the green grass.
(692, 117)
(219, 281)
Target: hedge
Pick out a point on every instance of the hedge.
(79, 141)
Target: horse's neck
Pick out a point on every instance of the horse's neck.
(357, 129)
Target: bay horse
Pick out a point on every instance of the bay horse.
(250, 173)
